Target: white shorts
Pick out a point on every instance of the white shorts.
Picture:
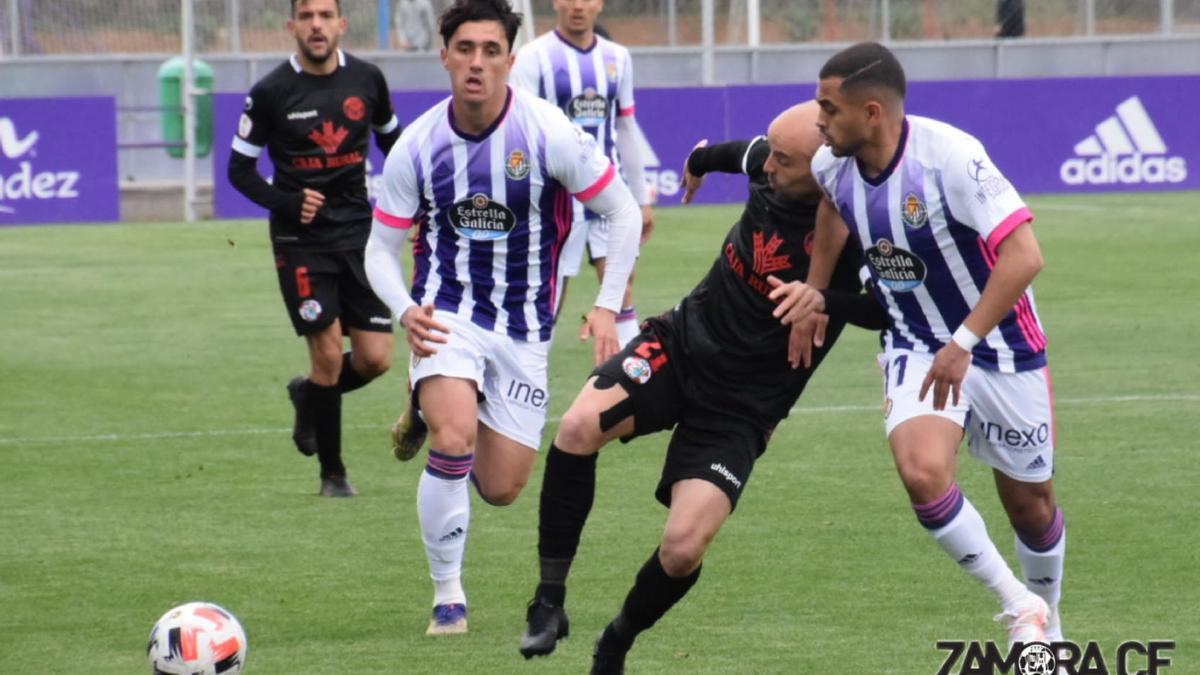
(510, 374)
(593, 233)
(1009, 417)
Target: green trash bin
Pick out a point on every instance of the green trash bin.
(170, 97)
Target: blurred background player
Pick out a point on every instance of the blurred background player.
(713, 369)
(314, 115)
(416, 25)
(952, 254)
(591, 79)
(480, 175)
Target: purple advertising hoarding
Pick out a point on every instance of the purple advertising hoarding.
(1046, 135)
(1077, 135)
(58, 160)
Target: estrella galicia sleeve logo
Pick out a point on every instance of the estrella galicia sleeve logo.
(896, 268)
(589, 109)
(481, 218)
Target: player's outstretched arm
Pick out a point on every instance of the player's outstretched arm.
(615, 203)
(728, 157)
(633, 164)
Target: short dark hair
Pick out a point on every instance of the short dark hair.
(463, 11)
(866, 64)
(336, 3)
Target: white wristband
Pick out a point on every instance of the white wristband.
(963, 337)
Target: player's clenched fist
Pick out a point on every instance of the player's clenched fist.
(313, 200)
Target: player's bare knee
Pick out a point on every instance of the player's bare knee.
(579, 431)
(1031, 512)
(681, 552)
(374, 365)
(502, 495)
(923, 482)
(450, 440)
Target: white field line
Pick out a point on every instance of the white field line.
(799, 410)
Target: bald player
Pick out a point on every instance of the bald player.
(713, 369)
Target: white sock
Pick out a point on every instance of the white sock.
(965, 540)
(627, 325)
(444, 509)
(1043, 572)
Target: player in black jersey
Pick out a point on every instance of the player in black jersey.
(314, 114)
(714, 368)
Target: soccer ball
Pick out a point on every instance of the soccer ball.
(198, 638)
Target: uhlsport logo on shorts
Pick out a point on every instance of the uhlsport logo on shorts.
(1126, 149)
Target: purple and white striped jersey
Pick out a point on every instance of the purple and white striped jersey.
(493, 210)
(929, 226)
(592, 86)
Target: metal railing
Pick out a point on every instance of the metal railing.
(37, 27)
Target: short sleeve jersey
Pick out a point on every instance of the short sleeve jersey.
(494, 210)
(592, 86)
(316, 130)
(929, 227)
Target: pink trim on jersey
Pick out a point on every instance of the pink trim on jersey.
(1013, 221)
(1025, 311)
(563, 209)
(1025, 319)
(392, 221)
(1053, 421)
(626, 112)
(601, 183)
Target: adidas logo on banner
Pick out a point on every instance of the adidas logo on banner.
(1126, 149)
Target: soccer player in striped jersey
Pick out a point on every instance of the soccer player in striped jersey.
(591, 79)
(487, 177)
(952, 253)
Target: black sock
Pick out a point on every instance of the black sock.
(349, 379)
(568, 489)
(326, 405)
(653, 593)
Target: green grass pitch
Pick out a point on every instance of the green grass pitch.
(144, 432)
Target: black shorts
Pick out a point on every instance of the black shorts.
(321, 286)
(720, 449)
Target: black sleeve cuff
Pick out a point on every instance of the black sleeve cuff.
(723, 157)
(860, 309)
